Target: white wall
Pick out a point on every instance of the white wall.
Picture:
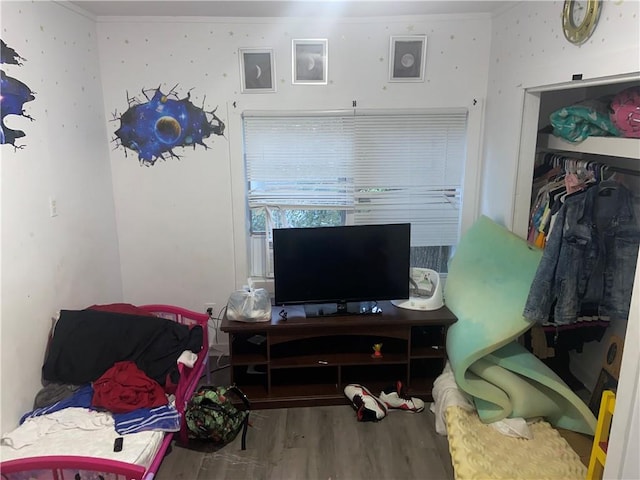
(538, 55)
(181, 224)
(67, 261)
(528, 49)
(622, 454)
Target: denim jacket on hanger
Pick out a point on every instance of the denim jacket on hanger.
(590, 258)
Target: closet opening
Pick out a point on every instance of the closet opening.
(586, 353)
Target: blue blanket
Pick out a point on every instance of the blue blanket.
(584, 119)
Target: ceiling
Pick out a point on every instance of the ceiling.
(292, 8)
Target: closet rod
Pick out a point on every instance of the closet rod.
(626, 171)
(610, 168)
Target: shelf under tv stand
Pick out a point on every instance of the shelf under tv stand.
(304, 361)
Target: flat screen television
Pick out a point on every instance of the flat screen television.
(341, 270)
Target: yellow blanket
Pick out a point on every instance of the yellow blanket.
(480, 452)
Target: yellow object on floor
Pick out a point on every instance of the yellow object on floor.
(601, 438)
(478, 451)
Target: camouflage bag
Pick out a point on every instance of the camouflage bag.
(212, 417)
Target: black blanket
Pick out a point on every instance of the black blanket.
(86, 343)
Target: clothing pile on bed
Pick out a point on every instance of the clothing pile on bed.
(617, 115)
(109, 367)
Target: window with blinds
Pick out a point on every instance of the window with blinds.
(325, 169)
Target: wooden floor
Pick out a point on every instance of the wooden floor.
(324, 443)
(327, 443)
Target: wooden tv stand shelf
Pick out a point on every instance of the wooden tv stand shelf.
(308, 361)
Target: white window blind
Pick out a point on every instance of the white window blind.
(409, 168)
(381, 167)
(299, 161)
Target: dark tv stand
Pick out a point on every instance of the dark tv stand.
(341, 308)
(304, 361)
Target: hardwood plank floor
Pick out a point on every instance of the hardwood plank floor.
(324, 443)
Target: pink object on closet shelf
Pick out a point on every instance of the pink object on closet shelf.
(625, 114)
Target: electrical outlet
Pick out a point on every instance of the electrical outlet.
(209, 308)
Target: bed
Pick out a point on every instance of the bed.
(73, 454)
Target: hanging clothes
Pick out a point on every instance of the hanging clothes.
(555, 178)
(588, 263)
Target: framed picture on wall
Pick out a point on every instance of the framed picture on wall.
(257, 70)
(407, 55)
(310, 61)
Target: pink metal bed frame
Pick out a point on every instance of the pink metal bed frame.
(68, 466)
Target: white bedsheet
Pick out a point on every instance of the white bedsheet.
(447, 394)
(137, 448)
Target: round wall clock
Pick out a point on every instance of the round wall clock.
(579, 19)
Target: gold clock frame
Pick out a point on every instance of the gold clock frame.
(578, 34)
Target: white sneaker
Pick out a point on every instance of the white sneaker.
(394, 397)
(368, 407)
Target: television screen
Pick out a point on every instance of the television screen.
(360, 263)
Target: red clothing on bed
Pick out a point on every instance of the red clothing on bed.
(124, 388)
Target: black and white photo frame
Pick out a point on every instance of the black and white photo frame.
(407, 58)
(257, 70)
(309, 59)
